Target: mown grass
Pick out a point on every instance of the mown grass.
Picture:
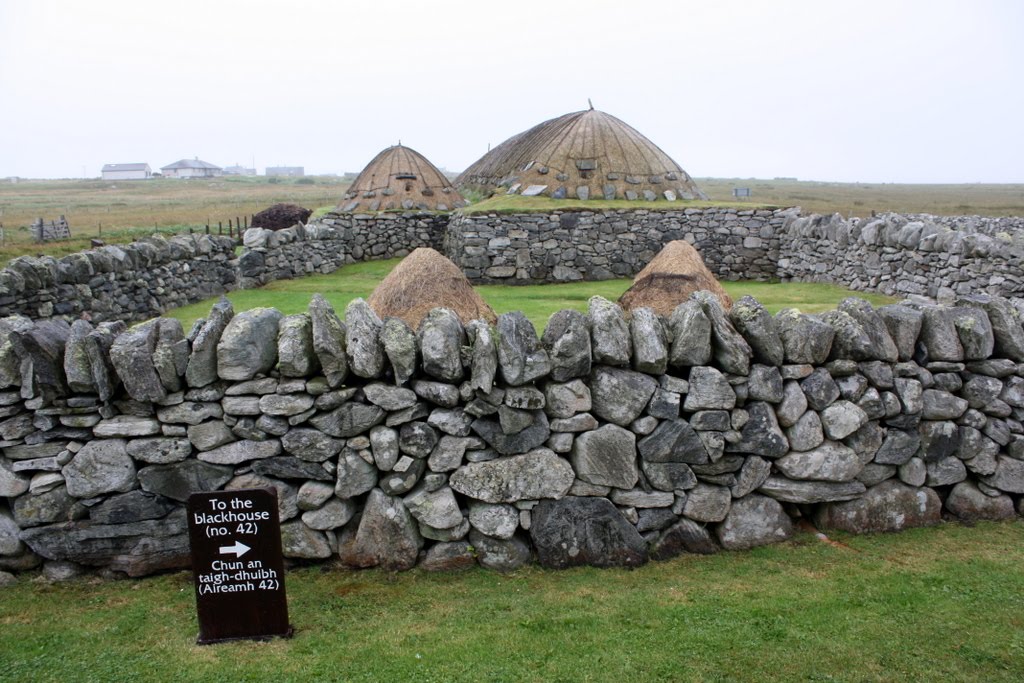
(538, 302)
(931, 604)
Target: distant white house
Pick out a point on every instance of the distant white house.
(239, 170)
(126, 172)
(291, 171)
(192, 168)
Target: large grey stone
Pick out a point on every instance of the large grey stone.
(159, 450)
(709, 390)
(350, 419)
(753, 521)
(567, 340)
(290, 467)
(437, 509)
(672, 441)
(299, 541)
(889, 506)
(387, 536)
(609, 333)
(829, 462)
(941, 405)
(966, 501)
(618, 395)
(248, 346)
(77, 367)
(132, 358)
(728, 347)
(945, 472)
(12, 485)
(690, 335)
(761, 434)
(328, 340)
(311, 445)
(650, 342)
(534, 475)
(521, 357)
(566, 400)
(238, 452)
(707, 503)
(939, 336)
(904, 325)
(1006, 328)
(355, 475)
(606, 457)
(209, 435)
(170, 357)
(41, 350)
(497, 520)
(1009, 475)
(362, 340)
(179, 480)
(295, 354)
(585, 531)
(520, 442)
(752, 475)
(134, 506)
(820, 389)
(791, 491)
(873, 326)
(805, 339)
(333, 514)
(841, 419)
(441, 338)
(684, 536)
(189, 412)
(502, 555)
(975, 332)
(400, 347)
(483, 356)
(760, 329)
(101, 466)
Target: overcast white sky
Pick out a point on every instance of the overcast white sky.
(872, 91)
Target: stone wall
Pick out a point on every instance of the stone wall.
(605, 442)
(334, 240)
(562, 246)
(120, 282)
(939, 258)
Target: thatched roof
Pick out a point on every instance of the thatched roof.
(425, 280)
(401, 178)
(669, 279)
(586, 155)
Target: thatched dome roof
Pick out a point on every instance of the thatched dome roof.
(586, 155)
(401, 178)
(424, 280)
(670, 278)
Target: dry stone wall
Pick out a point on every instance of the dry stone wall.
(604, 442)
(939, 258)
(334, 240)
(563, 246)
(119, 282)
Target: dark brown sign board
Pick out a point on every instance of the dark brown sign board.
(237, 565)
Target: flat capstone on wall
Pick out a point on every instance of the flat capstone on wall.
(605, 442)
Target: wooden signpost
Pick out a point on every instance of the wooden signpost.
(237, 566)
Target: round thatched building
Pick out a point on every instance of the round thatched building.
(586, 155)
(401, 178)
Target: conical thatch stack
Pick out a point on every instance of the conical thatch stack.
(586, 155)
(425, 280)
(401, 178)
(669, 279)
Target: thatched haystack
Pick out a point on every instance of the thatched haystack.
(669, 279)
(425, 280)
(401, 178)
(583, 155)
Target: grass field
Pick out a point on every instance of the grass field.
(127, 209)
(924, 605)
(538, 302)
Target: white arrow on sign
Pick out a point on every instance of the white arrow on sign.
(238, 549)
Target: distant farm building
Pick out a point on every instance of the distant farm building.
(401, 178)
(239, 170)
(582, 155)
(192, 168)
(287, 171)
(126, 172)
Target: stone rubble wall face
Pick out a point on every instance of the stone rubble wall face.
(333, 241)
(123, 282)
(606, 442)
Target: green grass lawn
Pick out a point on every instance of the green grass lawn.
(538, 302)
(925, 605)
